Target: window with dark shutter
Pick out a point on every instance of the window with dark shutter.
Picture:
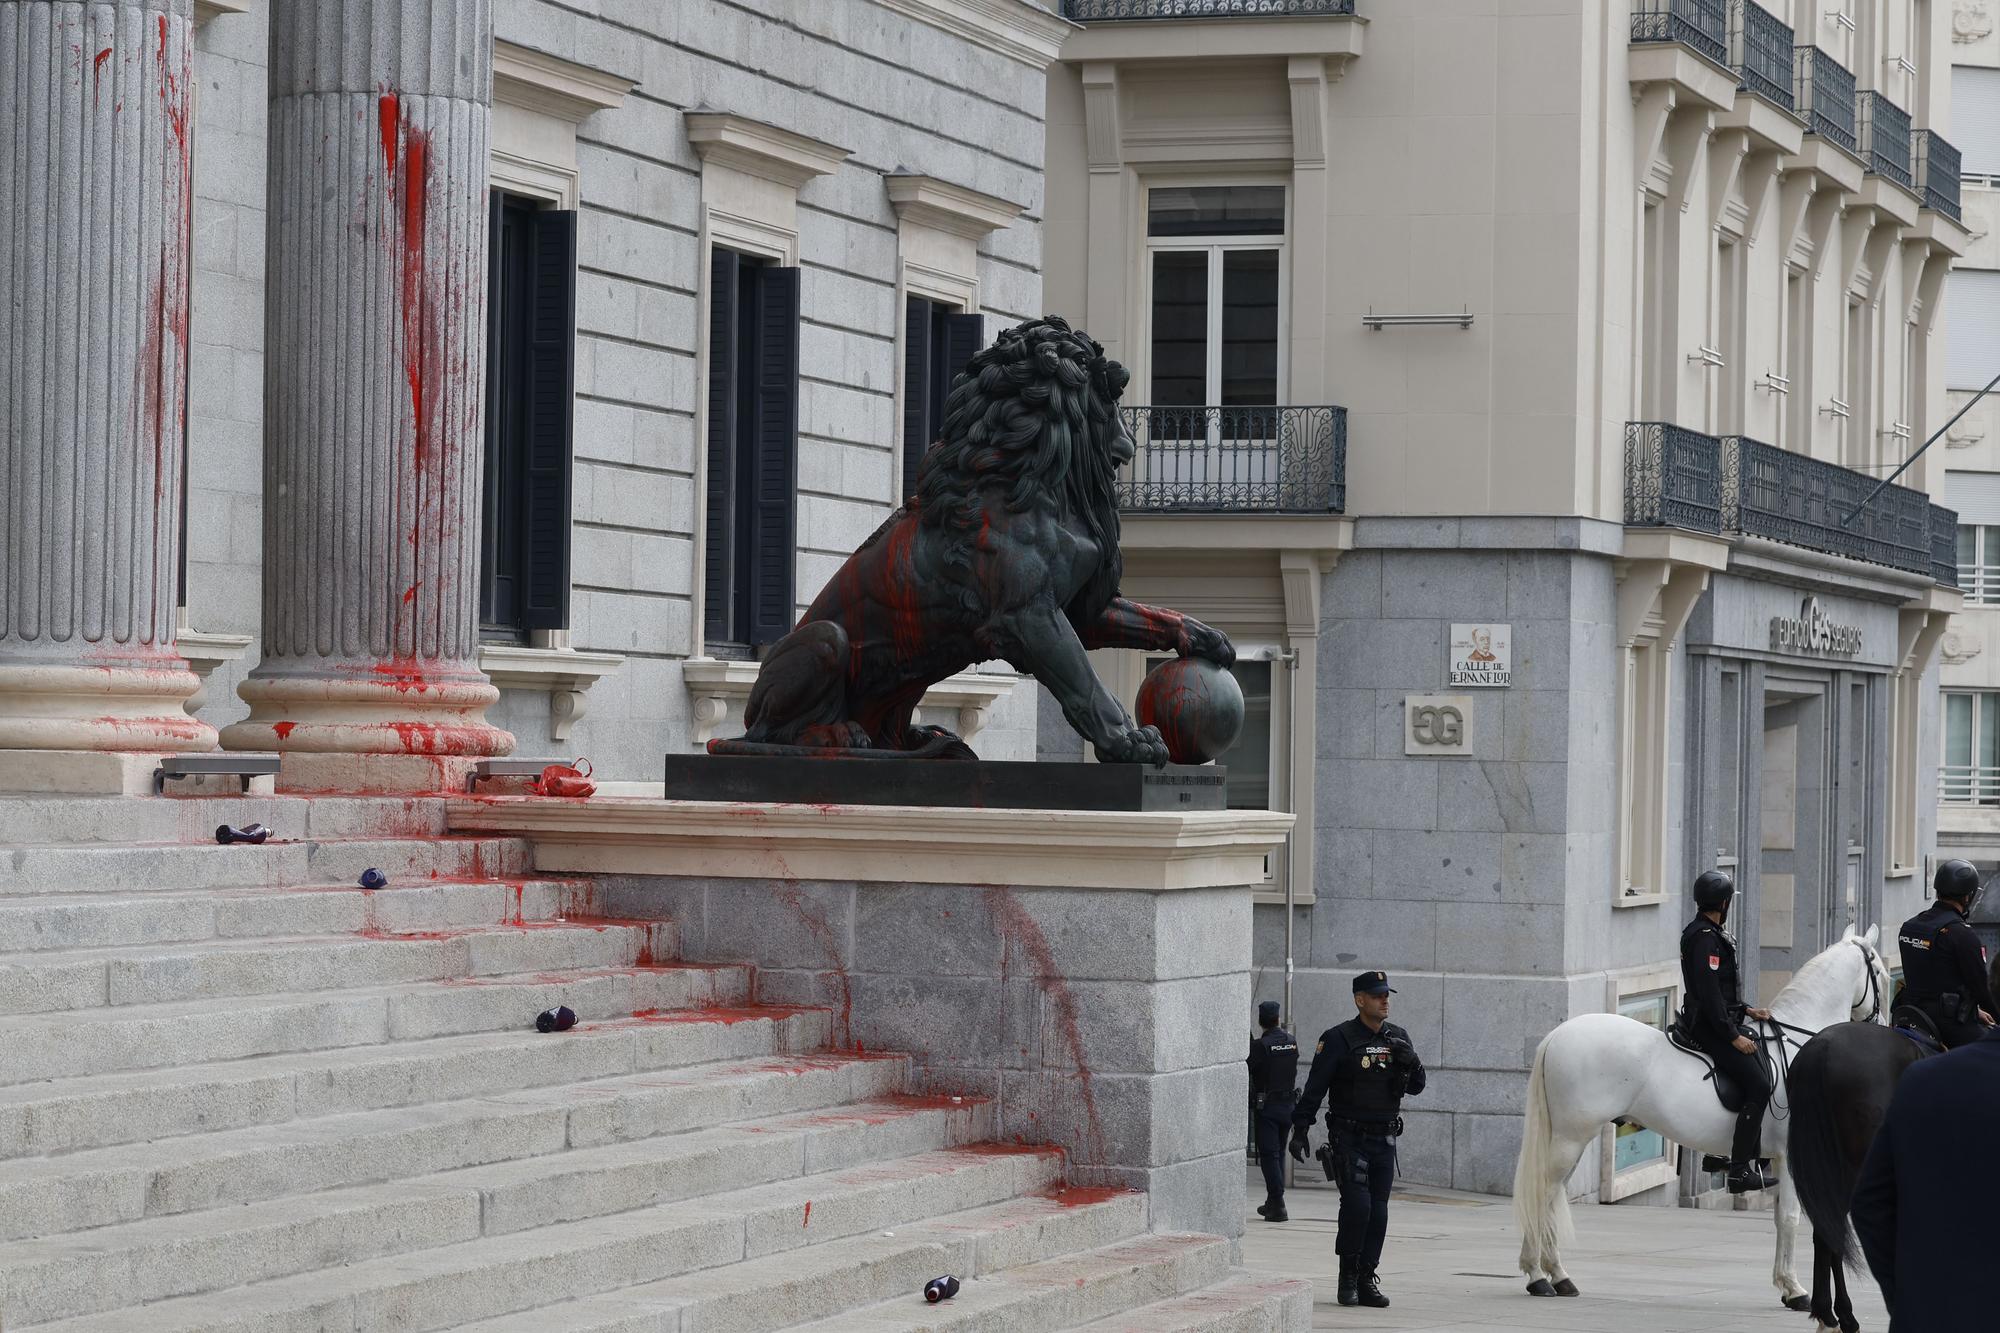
(530, 378)
(751, 503)
(938, 341)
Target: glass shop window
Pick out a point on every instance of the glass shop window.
(1636, 1145)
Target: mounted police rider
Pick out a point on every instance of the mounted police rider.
(1712, 1014)
(1944, 965)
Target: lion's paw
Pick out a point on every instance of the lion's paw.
(1133, 745)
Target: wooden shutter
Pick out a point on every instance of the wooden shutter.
(917, 386)
(775, 447)
(551, 331)
(719, 539)
(964, 335)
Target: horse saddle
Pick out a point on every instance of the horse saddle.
(1727, 1089)
(1915, 1024)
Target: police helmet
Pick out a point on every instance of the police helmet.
(1956, 880)
(1713, 890)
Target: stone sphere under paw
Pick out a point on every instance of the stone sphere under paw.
(1197, 705)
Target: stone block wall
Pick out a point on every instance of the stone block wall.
(898, 93)
(1110, 1022)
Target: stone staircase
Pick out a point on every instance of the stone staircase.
(239, 1092)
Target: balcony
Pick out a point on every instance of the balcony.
(1236, 460)
(1673, 477)
(1699, 25)
(1098, 11)
(1936, 171)
(1760, 51)
(1969, 784)
(1823, 96)
(1737, 486)
(1884, 139)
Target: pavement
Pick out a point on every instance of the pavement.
(1449, 1266)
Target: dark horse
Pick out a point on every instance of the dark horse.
(1839, 1088)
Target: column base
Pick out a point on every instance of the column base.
(129, 708)
(402, 733)
(76, 773)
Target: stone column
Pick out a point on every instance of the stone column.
(94, 190)
(374, 317)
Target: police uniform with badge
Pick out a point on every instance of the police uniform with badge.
(1274, 1088)
(1944, 964)
(1363, 1068)
(1712, 1012)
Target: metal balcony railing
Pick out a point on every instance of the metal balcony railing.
(1092, 11)
(1823, 95)
(1980, 584)
(1760, 51)
(1673, 477)
(1699, 25)
(1802, 501)
(1883, 136)
(1944, 549)
(1236, 460)
(1969, 784)
(1937, 172)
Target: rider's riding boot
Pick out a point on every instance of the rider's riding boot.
(1747, 1176)
(1371, 1292)
(1345, 1293)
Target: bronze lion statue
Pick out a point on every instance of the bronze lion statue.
(1008, 550)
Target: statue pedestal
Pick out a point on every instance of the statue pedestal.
(1087, 971)
(979, 784)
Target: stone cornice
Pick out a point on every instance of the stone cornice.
(1017, 29)
(930, 202)
(561, 88)
(1147, 852)
(751, 146)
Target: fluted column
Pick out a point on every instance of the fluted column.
(94, 191)
(374, 382)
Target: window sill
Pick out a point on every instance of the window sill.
(564, 674)
(204, 10)
(1640, 899)
(1275, 897)
(717, 684)
(1899, 872)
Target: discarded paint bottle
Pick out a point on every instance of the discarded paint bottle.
(371, 878)
(254, 833)
(559, 1019)
(940, 1289)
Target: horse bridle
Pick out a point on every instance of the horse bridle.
(1874, 983)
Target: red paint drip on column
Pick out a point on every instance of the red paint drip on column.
(1018, 930)
(388, 112)
(284, 729)
(813, 917)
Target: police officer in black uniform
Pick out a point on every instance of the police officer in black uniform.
(1944, 964)
(1712, 1013)
(1274, 1085)
(1363, 1068)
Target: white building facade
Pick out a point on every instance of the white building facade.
(1507, 384)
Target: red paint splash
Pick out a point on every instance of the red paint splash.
(97, 71)
(813, 917)
(808, 1217)
(284, 729)
(1082, 1196)
(1019, 931)
(388, 112)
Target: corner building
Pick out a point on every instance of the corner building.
(1574, 338)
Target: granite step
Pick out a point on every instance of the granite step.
(411, 1255)
(180, 867)
(1242, 1303)
(1056, 1293)
(80, 1042)
(26, 820)
(537, 1130)
(104, 1110)
(36, 922)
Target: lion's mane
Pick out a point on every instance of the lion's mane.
(1029, 423)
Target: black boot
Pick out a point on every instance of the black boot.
(1747, 1176)
(1345, 1293)
(1371, 1291)
(1273, 1211)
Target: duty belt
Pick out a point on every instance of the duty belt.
(1381, 1129)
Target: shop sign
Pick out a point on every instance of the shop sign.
(1813, 631)
(1437, 724)
(1482, 656)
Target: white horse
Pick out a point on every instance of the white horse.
(1597, 1068)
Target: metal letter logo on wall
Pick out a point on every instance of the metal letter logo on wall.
(1437, 724)
(1811, 631)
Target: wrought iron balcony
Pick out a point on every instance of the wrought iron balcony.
(1802, 501)
(1699, 25)
(1093, 11)
(1884, 137)
(1944, 547)
(1823, 95)
(1673, 477)
(1760, 51)
(1236, 460)
(1937, 167)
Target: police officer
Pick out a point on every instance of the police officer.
(1944, 965)
(1712, 1014)
(1274, 1085)
(1363, 1068)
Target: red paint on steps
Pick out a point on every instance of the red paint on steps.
(809, 1215)
(1082, 1196)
